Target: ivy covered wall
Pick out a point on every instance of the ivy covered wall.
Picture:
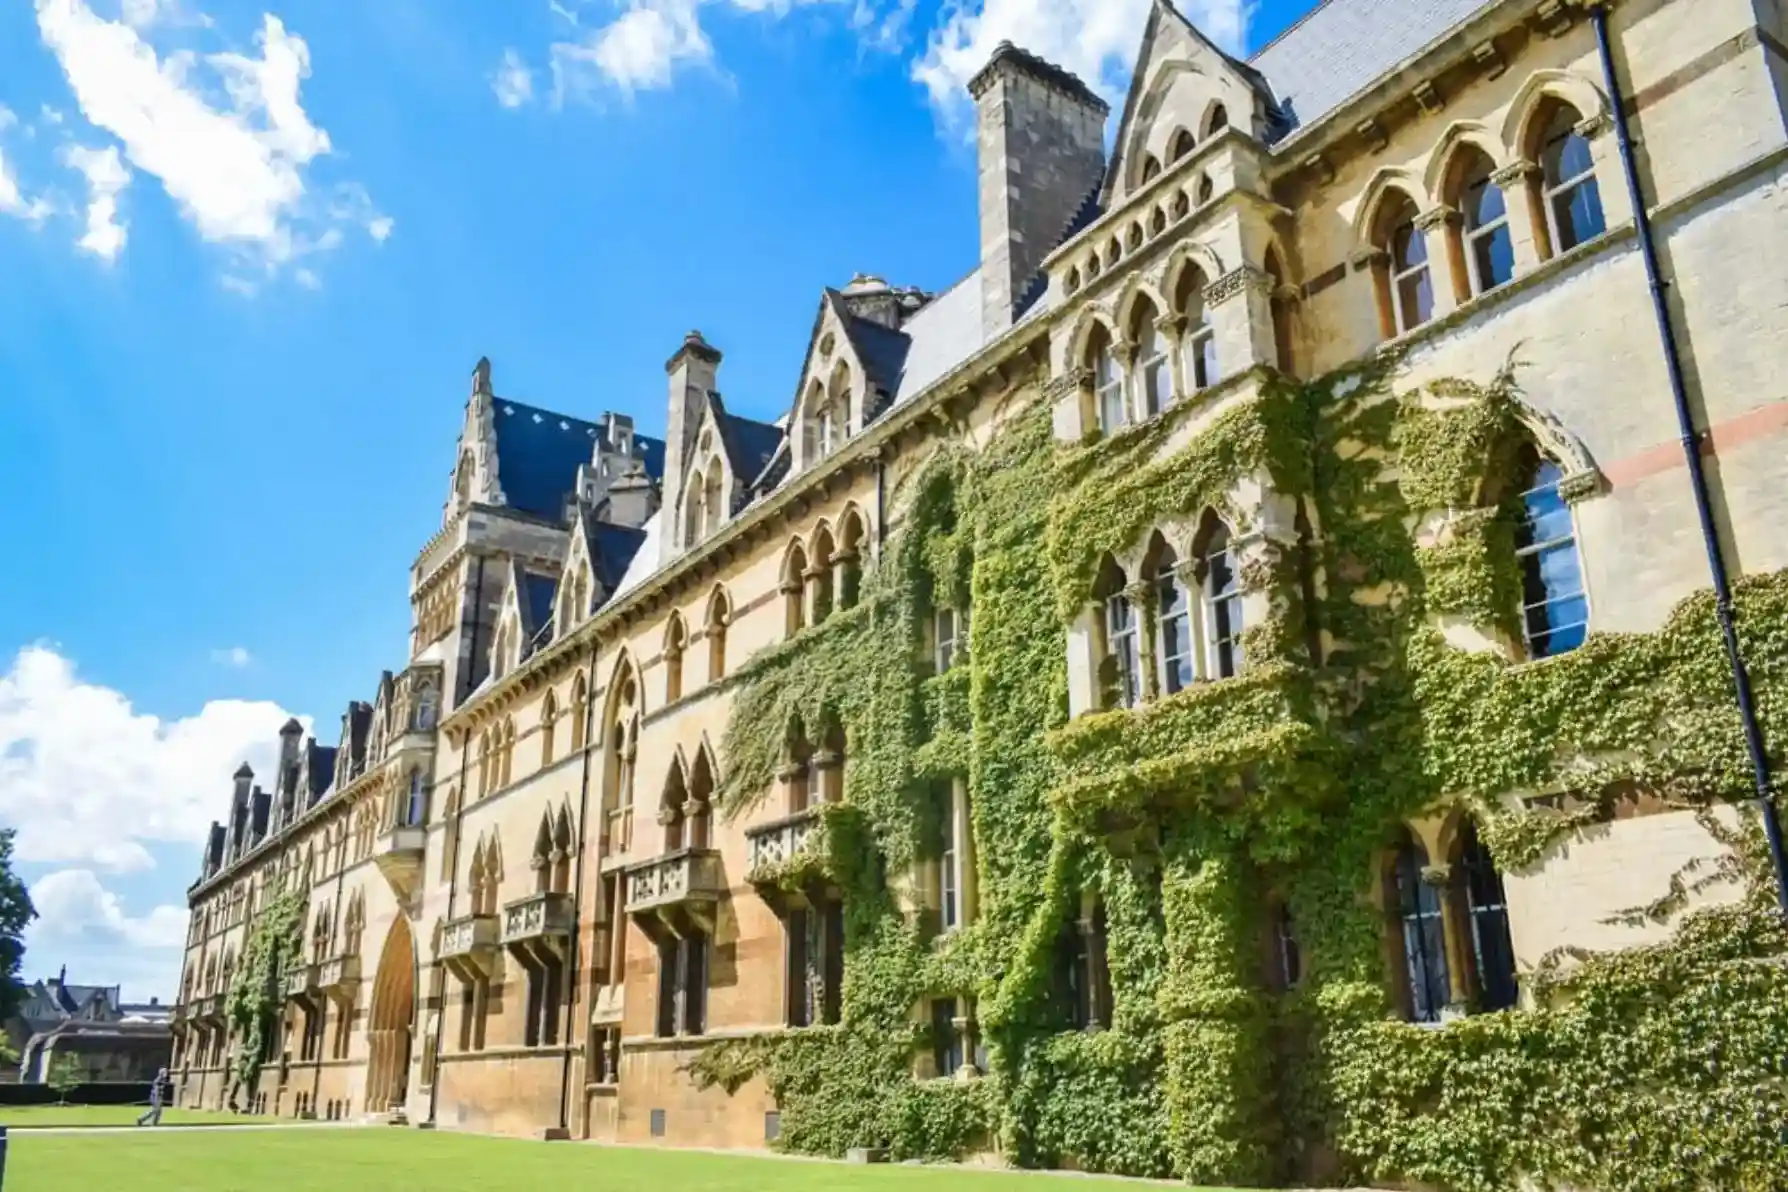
(1187, 819)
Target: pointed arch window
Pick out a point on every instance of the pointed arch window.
(849, 563)
(1154, 368)
(1223, 605)
(1218, 121)
(1176, 650)
(1121, 637)
(1573, 200)
(670, 809)
(699, 808)
(1406, 278)
(675, 639)
(1487, 913)
(1489, 244)
(1199, 343)
(1554, 605)
(1421, 918)
(1179, 146)
(719, 614)
(794, 581)
(1151, 169)
(415, 802)
(1279, 305)
(549, 715)
(1108, 381)
(714, 499)
(818, 577)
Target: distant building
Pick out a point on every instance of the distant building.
(110, 1039)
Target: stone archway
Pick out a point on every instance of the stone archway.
(389, 1022)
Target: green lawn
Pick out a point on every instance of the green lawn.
(20, 1117)
(390, 1160)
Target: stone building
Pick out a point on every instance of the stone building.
(107, 1038)
(1229, 689)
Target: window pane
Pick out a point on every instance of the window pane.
(1111, 407)
(1409, 248)
(1483, 204)
(1578, 212)
(1415, 299)
(1492, 948)
(1495, 256)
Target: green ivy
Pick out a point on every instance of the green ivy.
(1186, 819)
(256, 996)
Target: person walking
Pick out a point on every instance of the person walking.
(153, 1117)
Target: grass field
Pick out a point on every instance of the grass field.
(20, 1117)
(329, 1160)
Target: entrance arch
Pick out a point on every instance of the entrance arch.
(389, 1022)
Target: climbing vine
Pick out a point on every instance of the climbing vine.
(256, 996)
(1381, 693)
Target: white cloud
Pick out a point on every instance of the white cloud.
(89, 780)
(1095, 39)
(13, 200)
(514, 82)
(236, 656)
(236, 168)
(83, 925)
(106, 179)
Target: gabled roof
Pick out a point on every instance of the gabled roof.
(881, 350)
(539, 453)
(612, 550)
(1343, 46)
(748, 443)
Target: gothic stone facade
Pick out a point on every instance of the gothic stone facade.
(528, 911)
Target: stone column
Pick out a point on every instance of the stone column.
(1240, 309)
(1519, 183)
(1446, 263)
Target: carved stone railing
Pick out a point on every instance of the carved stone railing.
(301, 980)
(209, 1007)
(539, 916)
(774, 844)
(469, 944)
(670, 893)
(339, 975)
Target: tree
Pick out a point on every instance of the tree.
(16, 913)
(64, 1076)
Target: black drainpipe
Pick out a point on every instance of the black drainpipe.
(881, 503)
(577, 898)
(1691, 447)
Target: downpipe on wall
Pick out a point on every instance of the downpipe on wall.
(1691, 447)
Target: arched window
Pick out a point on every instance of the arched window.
(428, 704)
(719, 614)
(563, 846)
(1554, 607)
(1207, 190)
(415, 804)
(1219, 120)
(828, 763)
(1175, 648)
(675, 638)
(1421, 918)
(1154, 368)
(1151, 170)
(1108, 381)
(1280, 307)
(1487, 912)
(692, 512)
(1406, 280)
(462, 482)
(1573, 201)
(713, 499)
(1489, 247)
(1121, 644)
(794, 586)
(676, 793)
(850, 560)
(485, 761)
(549, 714)
(797, 771)
(508, 753)
(580, 707)
(1222, 606)
(1178, 145)
(819, 577)
(1199, 340)
(701, 796)
(542, 860)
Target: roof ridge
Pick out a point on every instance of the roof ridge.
(1288, 30)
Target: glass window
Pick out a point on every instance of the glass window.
(1412, 282)
(1493, 951)
(1223, 606)
(1153, 367)
(946, 1042)
(1489, 245)
(1285, 949)
(1422, 919)
(1120, 636)
(1554, 608)
(1568, 176)
(944, 629)
(1108, 391)
(1174, 606)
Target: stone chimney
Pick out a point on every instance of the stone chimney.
(693, 372)
(1040, 138)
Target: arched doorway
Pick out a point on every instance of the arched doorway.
(388, 1025)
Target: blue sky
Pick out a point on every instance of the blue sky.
(249, 253)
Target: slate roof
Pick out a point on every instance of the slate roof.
(945, 332)
(321, 764)
(1343, 46)
(536, 598)
(539, 452)
(882, 350)
(613, 550)
(749, 443)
